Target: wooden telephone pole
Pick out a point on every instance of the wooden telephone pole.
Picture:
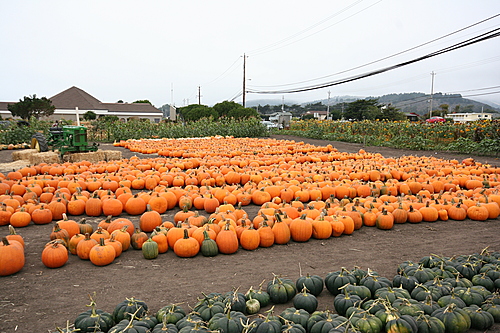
(244, 79)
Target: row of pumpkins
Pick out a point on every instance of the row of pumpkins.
(433, 295)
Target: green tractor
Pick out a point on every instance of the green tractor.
(66, 139)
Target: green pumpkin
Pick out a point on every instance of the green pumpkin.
(467, 269)
(408, 306)
(88, 320)
(236, 300)
(252, 306)
(455, 320)
(305, 301)
(232, 322)
(448, 299)
(197, 328)
(130, 326)
(343, 301)
(421, 293)
(260, 325)
(391, 294)
(483, 280)
(458, 282)
(480, 319)
(334, 281)
(281, 290)
(150, 249)
(401, 324)
(190, 320)
(208, 246)
(429, 305)
(297, 316)
(469, 296)
(492, 270)
(324, 321)
(406, 282)
(151, 321)
(428, 324)
(209, 308)
(372, 306)
(422, 274)
(445, 271)
(170, 314)
(493, 309)
(374, 282)
(260, 295)
(313, 283)
(165, 328)
(292, 328)
(127, 307)
(367, 323)
(362, 291)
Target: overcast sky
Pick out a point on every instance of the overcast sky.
(131, 50)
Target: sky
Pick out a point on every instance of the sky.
(185, 52)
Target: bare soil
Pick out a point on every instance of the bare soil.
(38, 299)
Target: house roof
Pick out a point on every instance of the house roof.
(76, 97)
(3, 105)
(130, 107)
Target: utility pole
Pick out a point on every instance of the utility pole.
(283, 103)
(199, 95)
(328, 106)
(244, 78)
(432, 92)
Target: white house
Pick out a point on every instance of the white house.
(75, 100)
(463, 117)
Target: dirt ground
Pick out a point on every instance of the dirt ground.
(38, 299)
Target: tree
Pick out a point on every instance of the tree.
(225, 107)
(145, 101)
(389, 112)
(241, 113)
(32, 107)
(89, 115)
(363, 109)
(194, 112)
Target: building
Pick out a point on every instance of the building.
(411, 116)
(464, 117)
(319, 115)
(74, 102)
(282, 119)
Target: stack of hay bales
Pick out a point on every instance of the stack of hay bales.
(34, 157)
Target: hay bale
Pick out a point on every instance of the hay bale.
(111, 155)
(92, 157)
(48, 157)
(23, 154)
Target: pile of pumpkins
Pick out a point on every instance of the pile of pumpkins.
(433, 295)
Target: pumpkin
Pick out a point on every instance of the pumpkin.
(313, 283)
(122, 236)
(208, 247)
(305, 301)
(41, 215)
(478, 212)
(150, 249)
(73, 242)
(186, 247)
(102, 254)
(281, 231)
(86, 322)
(85, 227)
(20, 218)
(170, 313)
(266, 235)
(385, 221)
(69, 225)
(128, 307)
(58, 233)
(344, 301)
(480, 319)
(116, 245)
(54, 255)
(301, 228)
(231, 322)
(11, 257)
(281, 290)
(227, 241)
(14, 236)
(249, 238)
(138, 239)
(84, 246)
(455, 320)
(161, 239)
(334, 281)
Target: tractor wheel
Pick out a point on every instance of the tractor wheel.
(39, 142)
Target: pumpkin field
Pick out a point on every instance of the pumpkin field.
(179, 225)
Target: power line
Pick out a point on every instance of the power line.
(388, 57)
(486, 36)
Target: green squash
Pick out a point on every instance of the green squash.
(292, 328)
(236, 300)
(281, 290)
(260, 295)
(190, 320)
(422, 274)
(313, 283)
(480, 319)
(197, 328)
(324, 321)
(469, 296)
(297, 316)
(483, 280)
(408, 306)
(165, 328)
(151, 321)
(374, 282)
(260, 325)
(252, 306)
(305, 301)
(170, 314)
(448, 299)
(401, 324)
(493, 309)
(362, 291)
(428, 324)
(391, 294)
(127, 307)
(208, 308)
(150, 249)
(367, 323)
(231, 322)
(87, 321)
(343, 301)
(455, 320)
(406, 282)
(130, 326)
(208, 246)
(334, 281)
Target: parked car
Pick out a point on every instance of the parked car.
(269, 124)
(435, 119)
